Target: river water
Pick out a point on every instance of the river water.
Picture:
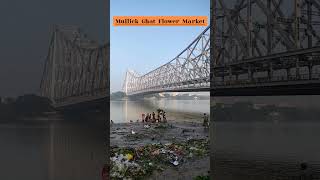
(266, 149)
(50, 150)
(126, 110)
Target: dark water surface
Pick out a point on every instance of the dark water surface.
(266, 150)
(60, 150)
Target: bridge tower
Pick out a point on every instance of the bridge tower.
(76, 68)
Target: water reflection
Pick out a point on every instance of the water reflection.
(52, 150)
(126, 110)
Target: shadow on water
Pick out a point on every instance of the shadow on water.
(71, 148)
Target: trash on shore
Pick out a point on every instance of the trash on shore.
(163, 126)
(146, 126)
(132, 163)
(201, 178)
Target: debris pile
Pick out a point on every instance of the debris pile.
(139, 162)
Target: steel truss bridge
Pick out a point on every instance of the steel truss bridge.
(259, 47)
(189, 71)
(76, 68)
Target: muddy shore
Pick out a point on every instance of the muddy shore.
(138, 134)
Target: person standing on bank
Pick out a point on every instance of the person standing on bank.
(143, 117)
(153, 117)
(205, 120)
(164, 116)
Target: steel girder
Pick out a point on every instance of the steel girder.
(253, 28)
(244, 32)
(188, 70)
(257, 39)
(75, 67)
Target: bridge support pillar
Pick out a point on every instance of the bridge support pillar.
(297, 11)
(288, 73)
(230, 73)
(270, 71)
(297, 69)
(250, 73)
(309, 22)
(310, 70)
(223, 81)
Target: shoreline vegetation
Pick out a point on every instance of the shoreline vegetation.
(25, 108)
(119, 96)
(31, 107)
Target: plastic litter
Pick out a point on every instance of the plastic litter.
(176, 163)
(139, 162)
(146, 126)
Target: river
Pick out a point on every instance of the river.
(46, 149)
(265, 149)
(126, 110)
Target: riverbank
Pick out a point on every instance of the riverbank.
(173, 150)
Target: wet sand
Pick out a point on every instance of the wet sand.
(174, 131)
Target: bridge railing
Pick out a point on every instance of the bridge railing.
(196, 85)
(265, 80)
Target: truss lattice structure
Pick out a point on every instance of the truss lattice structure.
(189, 71)
(246, 29)
(265, 43)
(76, 68)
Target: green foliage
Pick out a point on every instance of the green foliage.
(24, 106)
(117, 95)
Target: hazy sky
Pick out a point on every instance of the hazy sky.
(145, 48)
(24, 37)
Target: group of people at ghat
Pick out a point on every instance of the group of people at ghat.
(160, 21)
(161, 117)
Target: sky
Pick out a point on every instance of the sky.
(145, 48)
(25, 29)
